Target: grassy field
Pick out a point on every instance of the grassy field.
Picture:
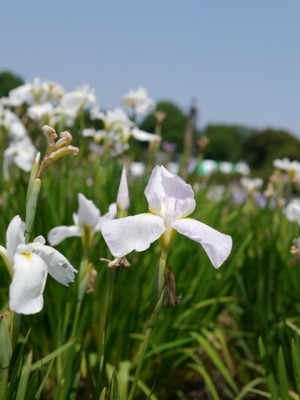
(234, 335)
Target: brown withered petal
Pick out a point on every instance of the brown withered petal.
(171, 300)
(92, 280)
(116, 263)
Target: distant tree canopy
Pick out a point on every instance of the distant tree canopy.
(173, 127)
(226, 142)
(263, 147)
(8, 81)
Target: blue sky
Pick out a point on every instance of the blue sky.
(240, 60)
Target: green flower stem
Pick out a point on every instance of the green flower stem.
(5, 354)
(106, 333)
(14, 328)
(33, 195)
(161, 272)
(65, 363)
(83, 282)
(152, 320)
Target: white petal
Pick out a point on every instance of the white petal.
(145, 136)
(132, 233)
(29, 279)
(60, 233)
(14, 237)
(296, 213)
(40, 239)
(169, 196)
(112, 211)
(58, 266)
(88, 213)
(88, 132)
(111, 214)
(216, 244)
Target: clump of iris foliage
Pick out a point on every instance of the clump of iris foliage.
(234, 334)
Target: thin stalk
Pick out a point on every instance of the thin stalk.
(15, 328)
(107, 323)
(82, 286)
(3, 382)
(151, 322)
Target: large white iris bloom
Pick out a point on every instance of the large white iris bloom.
(170, 200)
(30, 264)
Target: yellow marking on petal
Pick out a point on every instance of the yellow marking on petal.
(27, 255)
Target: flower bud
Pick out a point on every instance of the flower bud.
(63, 151)
(123, 194)
(50, 134)
(55, 150)
(65, 140)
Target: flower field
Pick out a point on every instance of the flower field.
(126, 275)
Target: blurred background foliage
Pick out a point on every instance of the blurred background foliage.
(226, 142)
(8, 81)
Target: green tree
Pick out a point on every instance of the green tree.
(263, 147)
(226, 142)
(9, 81)
(174, 125)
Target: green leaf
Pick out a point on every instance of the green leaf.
(114, 387)
(296, 361)
(17, 368)
(215, 358)
(249, 387)
(146, 390)
(268, 372)
(283, 382)
(175, 344)
(5, 345)
(5, 356)
(52, 355)
(207, 379)
(103, 394)
(44, 381)
(21, 393)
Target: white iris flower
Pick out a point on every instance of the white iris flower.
(87, 222)
(170, 200)
(30, 264)
(139, 100)
(21, 153)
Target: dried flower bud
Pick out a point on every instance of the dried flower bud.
(160, 116)
(63, 151)
(50, 134)
(116, 263)
(92, 280)
(171, 299)
(270, 191)
(65, 140)
(203, 142)
(56, 150)
(295, 250)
